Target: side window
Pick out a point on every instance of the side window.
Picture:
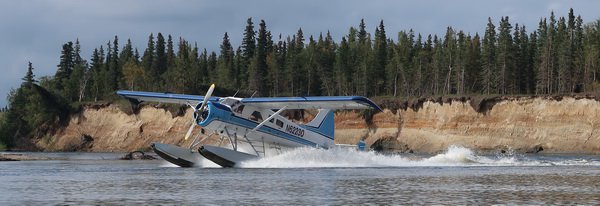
(239, 109)
(279, 123)
(256, 116)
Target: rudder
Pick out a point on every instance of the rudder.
(323, 123)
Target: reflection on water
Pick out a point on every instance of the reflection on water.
(80, 179)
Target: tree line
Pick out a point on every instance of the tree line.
(562, 55)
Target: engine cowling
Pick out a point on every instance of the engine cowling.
(200, 114)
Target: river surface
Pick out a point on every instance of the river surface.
(306, 177)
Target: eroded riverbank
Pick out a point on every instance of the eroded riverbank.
(527, 124)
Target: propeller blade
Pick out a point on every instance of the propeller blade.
(207, 96)
(189, 132)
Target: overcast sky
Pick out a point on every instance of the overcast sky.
(35, 30)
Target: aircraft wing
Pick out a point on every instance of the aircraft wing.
(163, 97)
(322, 102)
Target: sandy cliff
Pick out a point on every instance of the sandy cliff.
(525, 124)
(522, 124)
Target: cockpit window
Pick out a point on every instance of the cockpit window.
(256, 116)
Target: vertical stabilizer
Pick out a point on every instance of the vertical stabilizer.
(323, 123)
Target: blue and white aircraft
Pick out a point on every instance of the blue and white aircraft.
(255, 122)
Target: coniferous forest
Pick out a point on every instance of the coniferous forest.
(560, 56)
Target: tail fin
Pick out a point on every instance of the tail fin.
(323, 123)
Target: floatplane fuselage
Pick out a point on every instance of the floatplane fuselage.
(252, 122)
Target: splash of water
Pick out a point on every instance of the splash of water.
(346, 157)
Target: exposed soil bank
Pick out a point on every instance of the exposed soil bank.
(525, 124)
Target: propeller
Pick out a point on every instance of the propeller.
(199, 110)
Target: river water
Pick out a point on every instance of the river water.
(306, 177)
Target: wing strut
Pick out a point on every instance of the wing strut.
(269, 118)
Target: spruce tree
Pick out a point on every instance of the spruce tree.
(461, 62)
(290, 67)
(311, 87)
(530, 53)
(203, 66)
(29, 78)
(97, 73)
(488, 59)
(447, 68)
(343, 75)
(546, 56)
(591, 42)
(420, 63)
(541, 58)
(159, 65)
(327, 48)
(438, 67)
(505, 58)
(171, 51)
(521, 59)
(225, 64)
(273, 66)
(79, 77)
(363, 50)
(212, 67)
(238, 62)
(249, 41)
(565, 71)
(65, 67)
(147, 61)
(128, 54)
(248, 50)
(258, 68)
(114, 72)
(474, 65)
(579, 55)
(298, 59)
(380, 59)
(276, 63)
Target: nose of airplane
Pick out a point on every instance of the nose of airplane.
(204, 114)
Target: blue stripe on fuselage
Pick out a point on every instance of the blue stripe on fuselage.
(217, 114)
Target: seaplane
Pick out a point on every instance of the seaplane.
(254, 122)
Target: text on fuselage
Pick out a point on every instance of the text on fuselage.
(294, 130)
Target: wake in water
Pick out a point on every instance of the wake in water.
(346, 157)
